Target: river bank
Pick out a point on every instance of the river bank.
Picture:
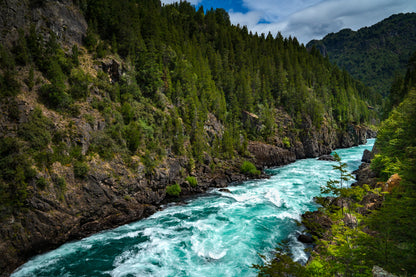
(206, 230)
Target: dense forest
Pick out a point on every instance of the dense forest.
(383, 233)
(376, 55)
(98, 132)
(181, 65)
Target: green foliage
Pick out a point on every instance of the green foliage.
(79, 82)
(41, 183)
(173, 190)
(282, 264)
(393, 247)
(249, 168)
(396, 141)
(54, 96)
(15, 174)
(192, 181)
(149, 162)
(336, 186)
(105, 145)
(9, 86)
(286, 142)
(80, 169)
(37, 131)
(369, 54)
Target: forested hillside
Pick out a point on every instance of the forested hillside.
(110, 108)
(368, 229)
(375, 54)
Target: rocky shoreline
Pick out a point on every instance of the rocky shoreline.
(318, 224)
(107, 199)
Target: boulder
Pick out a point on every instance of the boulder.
(367, 156)
(267, 155)
(392, 182)
(350, 220)
(317, 223)
(305, 238)
(379, 272)
(364, 175)
(371, 201)
(326, 158)
(113, 68)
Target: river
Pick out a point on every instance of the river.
(217, 234)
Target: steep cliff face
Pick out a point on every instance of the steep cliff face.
(59, 17)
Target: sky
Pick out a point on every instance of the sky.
(306, 19)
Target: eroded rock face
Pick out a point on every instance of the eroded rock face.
(61, 17)
(354, 136)
(317, 223)
(367, 156)
(364, 175)
(267, 155)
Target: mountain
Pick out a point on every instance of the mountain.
(373, 54)
(111, 108)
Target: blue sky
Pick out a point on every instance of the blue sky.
(306, 19)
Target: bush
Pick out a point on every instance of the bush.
(41, 183)
(286, 142)
(80, 169)
(249, 168)
(37, 131)
(54, 96)
(61, 183)
(192, 181)
(173, 190)
(79, 82)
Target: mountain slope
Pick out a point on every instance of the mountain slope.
(373, 54)
(102, 122)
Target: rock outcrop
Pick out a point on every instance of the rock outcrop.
(61, 17)
(267, 155)
(326, 158)
(367, 156)
(317, 223)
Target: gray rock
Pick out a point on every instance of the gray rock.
(379, 272)
(350, 220)
(305, 238)
(367, 156)
(326, 158)
(267, 155)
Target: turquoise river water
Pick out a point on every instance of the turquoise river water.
(217, 234)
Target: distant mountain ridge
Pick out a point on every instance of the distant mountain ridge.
(373, 54)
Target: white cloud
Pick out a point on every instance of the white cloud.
(249, 19)
(313, 19)
(193, 2)
(310, 19)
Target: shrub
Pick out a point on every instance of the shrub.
(192, 181)
(41, 183)
(286, 142)
(54, 96)
(173, 190)
(249, 168)
(80, 169)
(37, 131)
(61, 183)
(79, 82)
